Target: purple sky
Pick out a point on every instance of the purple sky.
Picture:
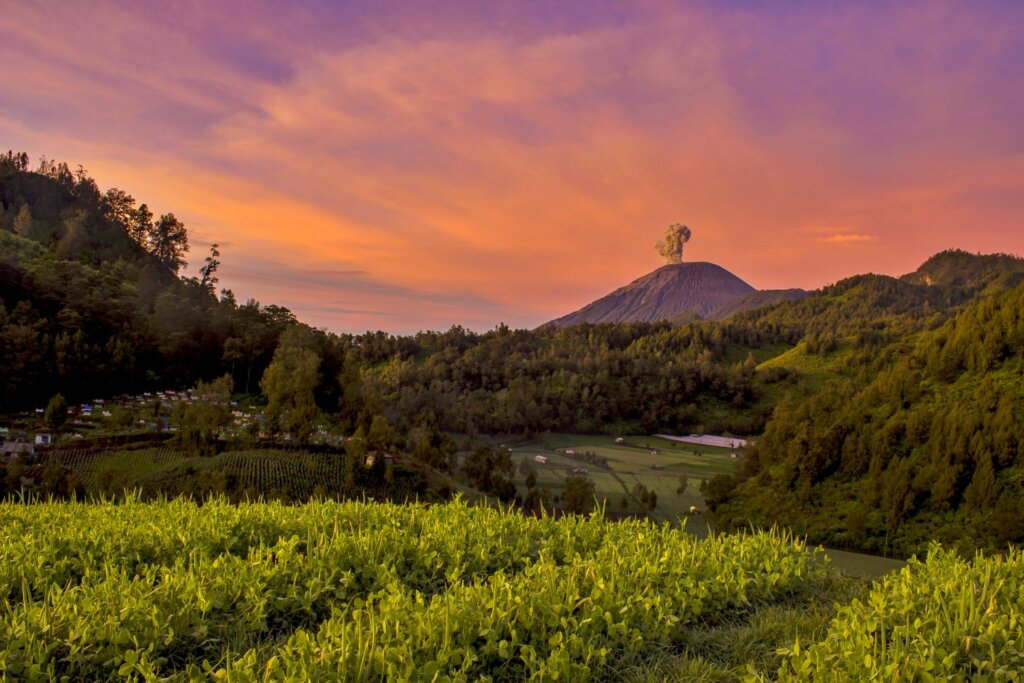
(412, 165)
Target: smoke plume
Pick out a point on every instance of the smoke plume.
(671, 247)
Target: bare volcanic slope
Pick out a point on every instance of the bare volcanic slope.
(672, 291)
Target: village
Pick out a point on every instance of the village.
(153, 416)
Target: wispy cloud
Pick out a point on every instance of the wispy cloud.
(470, 163)
(841, 235)
(847, 238)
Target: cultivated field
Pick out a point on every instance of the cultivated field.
(357, 591)
(630, 463)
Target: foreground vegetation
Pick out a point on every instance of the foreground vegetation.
(359, 591)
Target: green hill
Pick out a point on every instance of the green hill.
(929, 447)
(91, 302)
(957, 268)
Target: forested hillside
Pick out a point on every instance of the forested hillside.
(930, 447)
(91, 302)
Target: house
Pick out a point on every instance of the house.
(540, 459)
(708, 440)
(620, 440)
(569, 451)
(17, 448)
(44, 440)
(580, 470)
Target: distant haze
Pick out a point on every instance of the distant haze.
(417, 165)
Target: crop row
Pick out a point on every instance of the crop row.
(549, 622)
(65, 543)
(945, 618)
(105, 591)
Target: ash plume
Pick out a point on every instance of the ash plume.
(671, 247)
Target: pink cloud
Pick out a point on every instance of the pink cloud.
(515, 173)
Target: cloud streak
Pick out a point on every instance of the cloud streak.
(402, 169)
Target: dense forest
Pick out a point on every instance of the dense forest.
(886, 411)
(919, 439)
(91, 301)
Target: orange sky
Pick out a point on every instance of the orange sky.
(403, 168)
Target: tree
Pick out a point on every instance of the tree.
(56, 414)
(355, 456)
(208, 273)
(537, 500)
(23, 222)
(13, 162)
(981, 493)
(75, 237)
(289, 382)
(168, 242)
(350, 400)
(200, 422)
(490, 470)
(579, 495)
(119, 206)
(140, 225)
(648, 498)
(381, 435)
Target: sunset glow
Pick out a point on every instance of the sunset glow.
(417, 165)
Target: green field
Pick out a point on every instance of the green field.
(630, 463)
(362, 591)
(160, 470)
(291, 475)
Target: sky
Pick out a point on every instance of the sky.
(417, 165)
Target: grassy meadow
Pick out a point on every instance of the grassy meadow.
(630, 463)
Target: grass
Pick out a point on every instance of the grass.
(859, 564)
(631, 463)
(730, 648)
(811, 366)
